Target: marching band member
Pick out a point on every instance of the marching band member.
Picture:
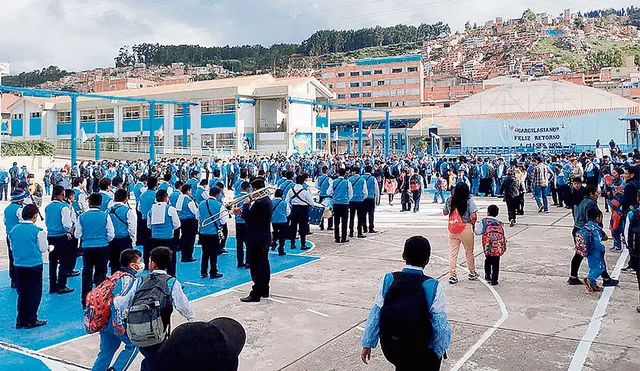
(147, 198)
(107, 195)
(188, 214)
(80, 204)
(125, 223)
(209, 232)
(299, 199)
(241, 229)
(162, 221)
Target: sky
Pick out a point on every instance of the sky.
(83, 34)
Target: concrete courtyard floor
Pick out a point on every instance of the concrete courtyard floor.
(314, 320)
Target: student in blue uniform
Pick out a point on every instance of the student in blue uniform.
(80, 200)
(147, 198)
(209, 232)
(165, 184)
(200, 193)
(12, 216)
(342, 193)
(59, 223)
(70, 198)
(105, 191)
(95, 230)
(325, 190)
(29, 243)
(162, 221)
(373, 193)
(188, 214)
(279, 222)
(356, 206)
(125, 224)
(241, 230)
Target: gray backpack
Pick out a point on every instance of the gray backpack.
(145, 326)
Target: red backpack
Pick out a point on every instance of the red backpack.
(98, 310)
(456, 225)
(414, 183)
(493, 240)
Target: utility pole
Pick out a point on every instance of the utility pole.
(4, 70)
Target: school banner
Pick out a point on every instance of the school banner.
(544, 133)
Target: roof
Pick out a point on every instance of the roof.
(387, 60)
(501, 80)
(538, 96)
(7, 101)
(398, 112)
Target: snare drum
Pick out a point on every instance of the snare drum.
(315, 213)
(328, 207)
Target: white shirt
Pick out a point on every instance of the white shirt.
(111, 233)
(82, 199)
(205, 193)
(43, 244)
(132, 220)
(178, 299)
(302, 199)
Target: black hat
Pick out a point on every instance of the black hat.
(203, 346)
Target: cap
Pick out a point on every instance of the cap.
(19, 195)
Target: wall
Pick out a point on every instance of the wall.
(580, 130)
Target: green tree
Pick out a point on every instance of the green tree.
(528, 16)
(578, 23)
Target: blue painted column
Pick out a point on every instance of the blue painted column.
(74, 128)
(360, 132)
(406, 141)
(349, 140)
(387, 136)
(185, 124)
(373, 142)
(320, 142)
(399, 143)
(152, 134)
(97, 143)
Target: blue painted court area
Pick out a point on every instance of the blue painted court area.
(20, 362)
(65, 314)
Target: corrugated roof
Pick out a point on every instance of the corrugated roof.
(397, 112)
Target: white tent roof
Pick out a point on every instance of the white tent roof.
(538, 96)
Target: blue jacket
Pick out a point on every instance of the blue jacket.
(280, 211)
(24, 245)
(207, 209)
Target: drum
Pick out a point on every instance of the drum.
(328, 207)
(315, 213)
(608, 180)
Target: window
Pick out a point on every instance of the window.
(412, 69)
(177, 110)
(226, 140)
(354, 84)
(411, 103)
(105, 114)
(381, 93)
(340, 85)
(210, 107)
(377, 72)
(158, 112)
(35, 115)
(88, 115)
(367, 105)
(64, 117)
(340, 96)
(381, 83)
(327, 75)
(340, 74)
(330, 86)
(366, 83)
(354, 73)
(354, 95)
(132, 113)
(366, 73)
(397, 92)
(396, 81)
(412, 80)
(382, 104)
(413, 91)
(396, 70)
(18, 116)
(366, 95)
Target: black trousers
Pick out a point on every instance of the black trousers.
(188, 231)
(512, 208)
(240, 238)
(225, 235)
(491, 268)
(280, 231)
(170, 243)
(59, 262)
(4, 191)
(116, 247)
(428, 362)
(563, 190)
(340, 215)
(329, 221)
(210, 247)
(485, 186)
(258, 254)
(12, 268)
(94, 270)
(29, 288)
(144, 239)
(356, 208)
(577, 260)
(369, 210)
(74, 252)
(299, 222)
(416, 200)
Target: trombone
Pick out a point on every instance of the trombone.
(236, 202)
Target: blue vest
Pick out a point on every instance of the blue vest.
(372, 184)
(240, 219)
(137, 191)
(11, 216)
(118, 215)
(198, 195)
(358, 185)
(184, 212)
(24, 245)
(207, 209)
(173, 197)
(340, 191)
(286, 185)
(323, 184)
(94, 228)
(279, 213)
(215, 181)
(106, 198)
(146, 201)
(163, 231)
(53, 219)
(75, 204)
(192, 182)
(163, 186)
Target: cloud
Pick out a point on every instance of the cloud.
(82, 34)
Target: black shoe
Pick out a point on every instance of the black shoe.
(53, 291)
(330, 228)
(250, 299)
(282, 253)
(309, 233)
(14, 285)
(265, 295)
(362, 236)
(190, 260)
(217, 275)
(574, 281)
(203, 275)
(337, 241)
(65, 290)
(273, 248)
(73, 274)
(37, 323)
(322, 228)
(344, 240)
(240, 265)
(305, 248)
(494, 283)
(351, 234)
(372, 231)
(610, 282)
(19, 326)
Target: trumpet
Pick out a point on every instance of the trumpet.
(237, 202)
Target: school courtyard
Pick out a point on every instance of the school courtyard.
(319, 301)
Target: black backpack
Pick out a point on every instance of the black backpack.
(148, 317)
(405, 323)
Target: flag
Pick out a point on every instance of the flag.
(159, 133)
(335, 135)
(83, 135)
(435, 136)
(294, 132)
(369, 132)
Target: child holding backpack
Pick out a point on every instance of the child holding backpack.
(408, 314)
(589, 243)
(102, 316)
(148, 324)
(494, 243)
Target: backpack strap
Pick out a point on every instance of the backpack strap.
(276, 205)
(297, 195)
(113, 211)
(323, 181)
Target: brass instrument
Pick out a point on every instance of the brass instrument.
(237, 202)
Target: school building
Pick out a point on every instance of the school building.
(233, 115)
